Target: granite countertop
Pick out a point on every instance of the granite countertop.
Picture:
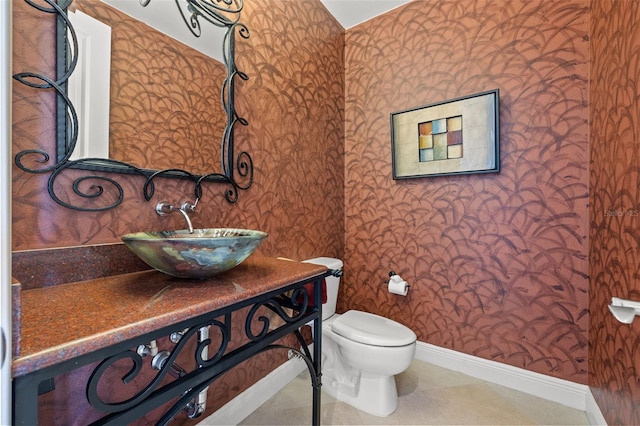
(68, 320)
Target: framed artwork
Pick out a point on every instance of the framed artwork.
(458, 136)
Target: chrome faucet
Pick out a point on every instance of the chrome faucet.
(163, 208)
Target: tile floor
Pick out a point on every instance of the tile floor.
(428, 395)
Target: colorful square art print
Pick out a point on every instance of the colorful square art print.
(458, 136)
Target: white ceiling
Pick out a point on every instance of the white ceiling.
(161, 15)
(164, 17)
(353, 12)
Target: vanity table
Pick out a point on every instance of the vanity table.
(103, 321)
(138, 322)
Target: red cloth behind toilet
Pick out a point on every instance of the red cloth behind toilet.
(309, 289)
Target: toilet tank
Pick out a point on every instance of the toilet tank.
(329, 308)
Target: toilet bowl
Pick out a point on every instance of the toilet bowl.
(361, 352)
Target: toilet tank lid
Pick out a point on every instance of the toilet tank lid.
(372, 329)
(329, 262)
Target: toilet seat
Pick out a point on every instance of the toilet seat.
(373, 330)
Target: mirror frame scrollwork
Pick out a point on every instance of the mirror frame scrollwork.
(237, 170)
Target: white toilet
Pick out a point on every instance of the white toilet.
(361, 352)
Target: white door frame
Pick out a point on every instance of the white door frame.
(5, 211)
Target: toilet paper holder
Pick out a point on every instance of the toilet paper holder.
(624, 310)
(397, 285)
(393, 275)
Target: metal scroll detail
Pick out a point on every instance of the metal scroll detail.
(297, 303)
(168, 366)
(222, 13)
(99, 192)
(210, 363)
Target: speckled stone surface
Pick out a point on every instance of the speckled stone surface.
(86, 316)
(16, 291)
(48, 267)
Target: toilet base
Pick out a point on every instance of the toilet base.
(376, 395)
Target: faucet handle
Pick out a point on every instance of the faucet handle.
(189, 207)
(163, 208)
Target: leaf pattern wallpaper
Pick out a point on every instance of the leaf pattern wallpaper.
(295, 138)
(497, 263)
(516, 267)
(615, 203)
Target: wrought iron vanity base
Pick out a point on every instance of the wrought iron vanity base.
(291, 303)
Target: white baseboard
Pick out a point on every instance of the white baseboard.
(553, 389)
(564, 392)
(593, 411)
(236, 410)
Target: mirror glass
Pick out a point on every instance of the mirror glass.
(171, 107)
(163, 92)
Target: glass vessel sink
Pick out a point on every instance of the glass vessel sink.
(203, 254)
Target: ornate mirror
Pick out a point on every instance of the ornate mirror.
(172, 111)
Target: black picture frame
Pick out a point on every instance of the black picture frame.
(452, 137)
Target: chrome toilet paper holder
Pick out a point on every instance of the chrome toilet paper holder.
(624, 310)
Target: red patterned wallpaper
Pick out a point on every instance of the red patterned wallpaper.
(497, 262)
(294, 103)
(615, 203)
